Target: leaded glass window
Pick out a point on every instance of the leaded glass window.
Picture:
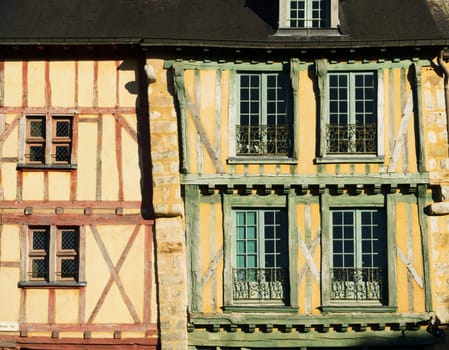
(359, 255)
(264, 124)
(352, 113)
(260, 270)
(53, 253)
(48, 140)
(309, 13)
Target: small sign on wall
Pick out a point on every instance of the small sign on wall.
(9, 326)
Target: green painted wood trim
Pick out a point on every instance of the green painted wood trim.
(419, 118)
(261, 308)
(192, 200)
(262, 160)
(361, 309)
(306, 180)
(377, 200)
(304, 65)
(258, 201)
(255, 65)
(325, 248)
(297, 339)
(178, 75)
(322, 67)
(292, 248)
(422, 196)
(369, 65)
(380, 113)
(392, 250)
(294, 77)
(331, 159)
(227, 247)
(201, 319)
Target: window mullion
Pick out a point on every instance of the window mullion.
(48, 138)
(52, 251)
(358, 239)
(260, 239)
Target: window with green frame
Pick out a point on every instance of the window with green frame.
(264, 124)
(351, 125)
(359, 255)
(260, 268)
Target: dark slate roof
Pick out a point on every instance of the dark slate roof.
(232, 23)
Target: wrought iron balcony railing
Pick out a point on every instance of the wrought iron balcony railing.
(351, 138)
(357, 284)
(260, 284)
(263, 139)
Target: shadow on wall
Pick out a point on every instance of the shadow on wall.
(139, 87)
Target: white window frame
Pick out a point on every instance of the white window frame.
(323, 68)
(284, 14)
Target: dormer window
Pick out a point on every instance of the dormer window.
(308, 14)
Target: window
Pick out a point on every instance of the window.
(309, 17)
(48, 141)
(53, 254)
(264, 126)
(359, 255)
(260, 271)
(308, 13)
(352, 113)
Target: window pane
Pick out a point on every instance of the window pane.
(40, 239)
(39, 268)
(63, 128)
(37, 127)
(37, 153)
(69, 268)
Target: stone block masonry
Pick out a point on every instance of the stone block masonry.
(169, 212)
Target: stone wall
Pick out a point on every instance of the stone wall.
(168, 207)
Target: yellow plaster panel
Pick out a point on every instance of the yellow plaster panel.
(10, 143)
(224, 121)
(13, 80)
(131, 167)
(59, 185)
(36, 309)
(62, 81)
(36, 84)
(107, 77)
(33, 186)
(9, 181)
(85, 83)
(66, 305)
(97, 271)
(9, 295)
(192, 133)
(114, 309)
(306, 124)
(128, 86)
(131, 274)
(10, 244)
(109, 179)
(207, 113)
(87, 163)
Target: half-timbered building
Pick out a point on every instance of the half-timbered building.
(240, 174)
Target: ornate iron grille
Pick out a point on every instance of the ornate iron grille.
(351, 138)
(357, 284)
(260, 284)
(263, 139)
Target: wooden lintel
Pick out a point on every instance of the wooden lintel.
(74, 219)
